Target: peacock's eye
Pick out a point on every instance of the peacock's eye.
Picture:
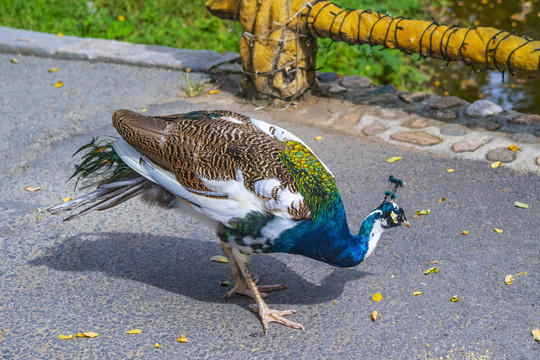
(394, 217)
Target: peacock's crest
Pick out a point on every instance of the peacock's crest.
(394, 185)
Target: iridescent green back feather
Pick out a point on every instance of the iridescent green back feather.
(314, 182)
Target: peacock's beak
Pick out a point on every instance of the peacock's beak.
(406, 223)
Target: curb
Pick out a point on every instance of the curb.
(16, 41)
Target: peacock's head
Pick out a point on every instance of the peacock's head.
(391, 213)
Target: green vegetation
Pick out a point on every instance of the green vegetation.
(187, 24)
(193, 89)
(384, 67)
(180, 24)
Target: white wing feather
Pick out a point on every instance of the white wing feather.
(238, 203)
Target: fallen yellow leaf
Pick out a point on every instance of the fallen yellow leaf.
(15, 61)
(508, 279)
(157, 345)
(513, 148)
(212, 92)
(377, 297)
(464, 232)
(144, 110)
(434, 262)
(219, 259)
(29, 188)
(393, 159)
(59, 84)
(182, 339)
(66, 337)
(432, 270)
(53, 69)
(224, 283)
(60, 35)
(67, 199)
(522, 273)
(134, 331)
(318, 138)
(423, 212)
(416, 293)
(441, 200)
(498, 231)
(496, 164)
(536, 334)
(374, 315)
(449, 170)
(88, 334)
(455, 298)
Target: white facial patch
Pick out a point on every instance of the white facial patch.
(374, 237)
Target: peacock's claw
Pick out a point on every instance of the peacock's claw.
(269, 315)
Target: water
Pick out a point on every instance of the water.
(458, 79)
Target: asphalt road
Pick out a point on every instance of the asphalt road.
(139, 267)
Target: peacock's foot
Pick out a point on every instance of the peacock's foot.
(241, 288)
(269, 315)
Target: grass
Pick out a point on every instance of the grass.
(187, 24)
(193, 89)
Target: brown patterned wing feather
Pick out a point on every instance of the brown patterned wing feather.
(212, 145)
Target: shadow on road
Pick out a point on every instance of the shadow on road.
(182, 266)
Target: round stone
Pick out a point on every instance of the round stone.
(526, 138)
(454, 130)
(418, 123)
(538, 160)
(528, 119)
(448, 102)
(445, 115)
(356, 81)
(481, 108)
(416, 138)
(484, 125)
(336, 89)
(347, 121)
(413, 97)
(504, 155)
(327, 77)
(373, 129)
(468, 145)
(392, 114)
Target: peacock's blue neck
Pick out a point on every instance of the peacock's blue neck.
(329, 239)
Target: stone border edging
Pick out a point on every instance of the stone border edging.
(16, 41)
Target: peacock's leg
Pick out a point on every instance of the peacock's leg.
(240, 285)
(267, 315)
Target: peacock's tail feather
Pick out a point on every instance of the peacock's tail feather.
(116, 182)
(100, 164)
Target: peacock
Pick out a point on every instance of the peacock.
(262, 187)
